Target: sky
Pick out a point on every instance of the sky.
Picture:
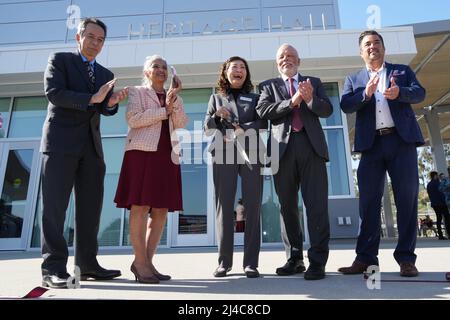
(354, 14)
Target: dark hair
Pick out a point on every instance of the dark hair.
(84, 22)
(433, 174)
(223, 85)
(370, 33)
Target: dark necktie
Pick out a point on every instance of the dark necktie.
(297, 123)
(91, 72)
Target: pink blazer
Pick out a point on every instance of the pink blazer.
(144, 116)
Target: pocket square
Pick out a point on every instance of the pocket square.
(398, 73)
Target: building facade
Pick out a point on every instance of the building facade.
(195, 37)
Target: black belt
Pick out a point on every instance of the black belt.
(385, 131)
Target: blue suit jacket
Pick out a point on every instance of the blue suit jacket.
(402, 113)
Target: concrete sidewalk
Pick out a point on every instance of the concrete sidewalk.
(192, 268)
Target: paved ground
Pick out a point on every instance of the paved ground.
(191, 269)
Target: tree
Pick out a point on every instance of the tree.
(426, 164)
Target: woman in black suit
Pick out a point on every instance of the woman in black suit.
(236, 150)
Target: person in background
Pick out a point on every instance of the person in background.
(438, 203)
(150, 179)
(240, 217)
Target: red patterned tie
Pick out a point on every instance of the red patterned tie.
(297, 123)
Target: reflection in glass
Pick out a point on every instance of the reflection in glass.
(332, 91)
(28, 117)
(338, 180)
(111, 218)
(270, 213)
(4, 116)
(195, 105)
(69, 230)
(193, 220)
(14, 193)
(116, 124)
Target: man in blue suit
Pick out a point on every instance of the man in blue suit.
(386, 134)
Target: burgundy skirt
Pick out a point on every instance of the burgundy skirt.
(150, 178)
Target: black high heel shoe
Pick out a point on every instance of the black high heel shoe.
(162, 277)
(141, 279)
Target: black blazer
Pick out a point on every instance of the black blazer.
(70, 121)
(243, 111)
(274, 105)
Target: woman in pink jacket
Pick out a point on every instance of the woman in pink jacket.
(150, 178)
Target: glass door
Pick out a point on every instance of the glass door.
(194, 225)
(19, 168)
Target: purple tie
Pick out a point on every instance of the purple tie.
(297, 123)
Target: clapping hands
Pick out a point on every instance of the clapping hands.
(305, 93)
(393, 91)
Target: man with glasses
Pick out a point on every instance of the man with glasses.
(79, 90)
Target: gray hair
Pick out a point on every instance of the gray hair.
(148, 62)
(287, 45)
(84, 22)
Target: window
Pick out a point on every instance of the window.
(338, 181)
(69, 223)
(195, 105)
(332, 91)
(116, 124)
(111, 218)
(4, 116)
(28, 117)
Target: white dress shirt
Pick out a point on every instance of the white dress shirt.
(288, 87)
(382, 111)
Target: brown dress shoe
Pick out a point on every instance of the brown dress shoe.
(408, 269)
(357, 267)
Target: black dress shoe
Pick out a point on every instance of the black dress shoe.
(291, 267)
(221, 272)
(55, 280)
(99, 273)
(251, 272)
(315, 272)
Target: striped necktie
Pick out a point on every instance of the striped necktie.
(91, 72)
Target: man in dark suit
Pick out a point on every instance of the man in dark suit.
(293, 104)
(437, 199)
(386, 134)
(78, 90)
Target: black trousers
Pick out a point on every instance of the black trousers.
(442, 213)
(60, 174)
(301, 167)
